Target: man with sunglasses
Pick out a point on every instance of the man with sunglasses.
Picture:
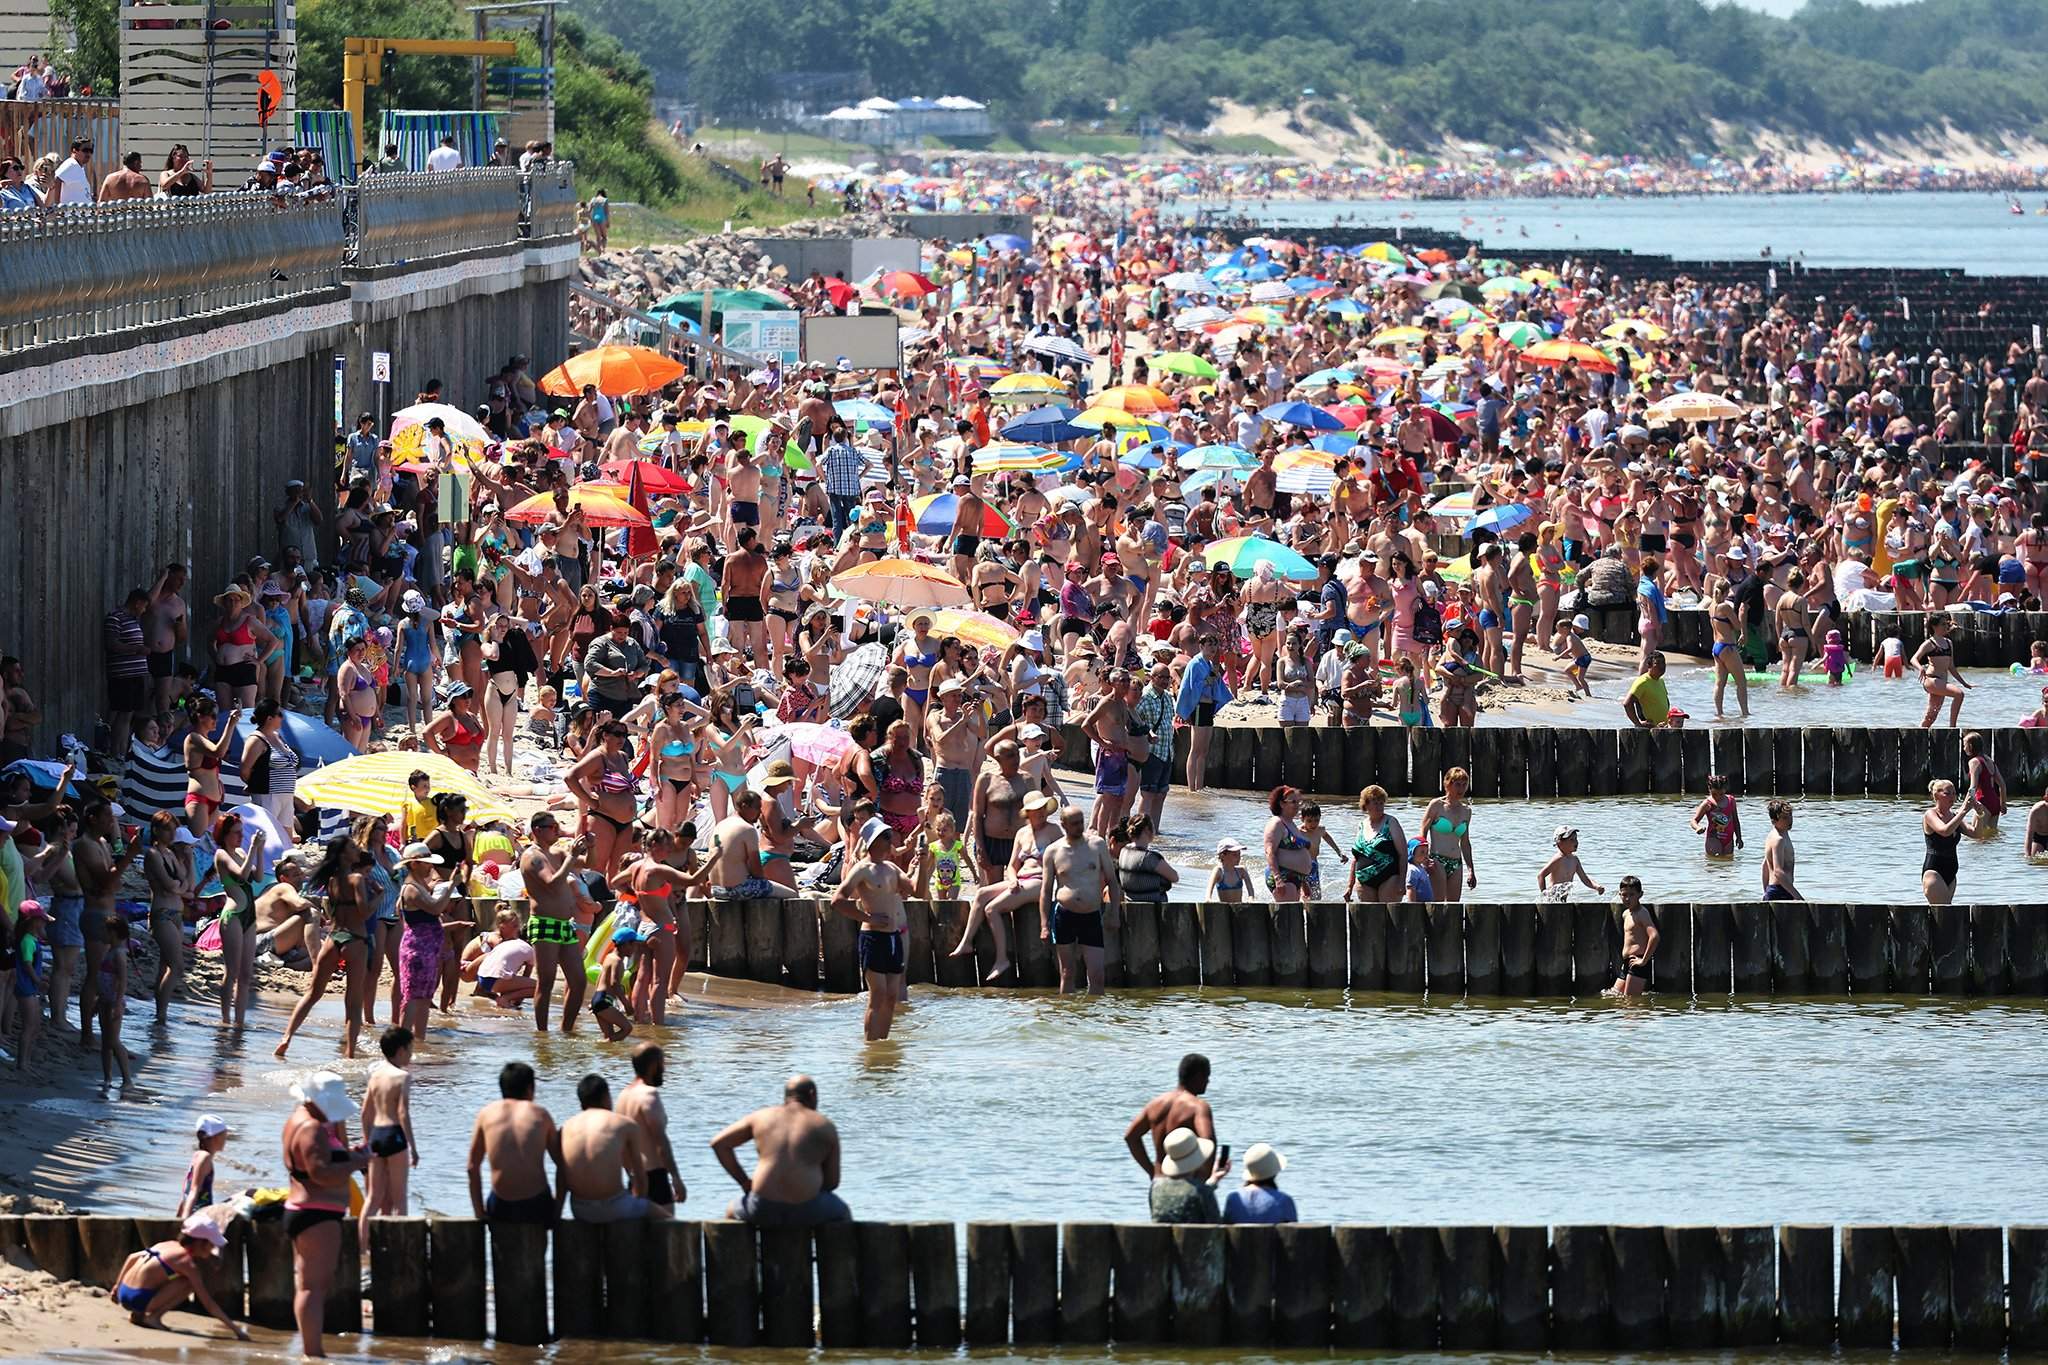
(73, 173)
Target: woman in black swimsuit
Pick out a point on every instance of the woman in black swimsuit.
(1942, 829)
(451, 842)
(347, 890)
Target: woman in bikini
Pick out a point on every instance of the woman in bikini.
(452, 842)
(1936, 662)
(349, 905)
(917, 655)
(673, 740)
(320, 1162)
(509, 660)
(239, 644)
(360, 696)
(1262, 598)
(202, 763)
(1288, 851)
(603, 784)
(899, 774)
(230, 890)
(1447, 827)
(457, 732)
(722, 750)
(784, 586)
(1549, 583)
(653, 880)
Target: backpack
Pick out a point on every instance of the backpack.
(1429, 623)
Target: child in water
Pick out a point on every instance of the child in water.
(1581, 657)
(1228, 880)
(1717, 819)
(1834, 658)
(210, 1135)
(1554, 882)
(607, 1006)
(1893, 653)
(1638, 940)
(1313, 831)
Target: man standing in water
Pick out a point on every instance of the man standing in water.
(873, 893)
(641, 1102)
(1180, 1107)
(514, 1134)
(1779, 857)
(796, 1168)
(551, 880)
(1080, 879)
(599, 1147)
(1638, 940)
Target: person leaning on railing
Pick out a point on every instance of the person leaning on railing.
(15, 191)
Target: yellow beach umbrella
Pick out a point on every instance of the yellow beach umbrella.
(976, 628)
(1107, 417)
(902, 583)
(375, 784)
(1644, 330)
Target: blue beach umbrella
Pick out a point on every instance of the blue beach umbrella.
(1007, 241)
(1048, 425)
(1301, 415)
(1505, 517)
(865, 411)
(1219, 457)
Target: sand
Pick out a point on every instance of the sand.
(40, 1315)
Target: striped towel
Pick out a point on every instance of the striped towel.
(155, 781)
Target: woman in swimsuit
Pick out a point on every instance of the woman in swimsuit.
(202, 763)
(168, 868)
(589, 622)
(917, 655)
(604, 786)
(1379, 855)
(370, 834)
(239, 642)
(158, 1278)
(784, 585)
(722, 745)
(349, 906)
(509, 660)
(1936, 662)
(1262, 598)
(452, 842)
(458, 732)
(1718, 819)
(1447, 825)
(1549, 562)
(674, 744)
(320, 1162)
(1794, 639)
(1987, 786)
(362, 701)
(1941, 828)
(232, 873)
(899, 771)
(1288, 851)
(652, 880)
(422, 902)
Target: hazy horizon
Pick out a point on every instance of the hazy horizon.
(1785, 9)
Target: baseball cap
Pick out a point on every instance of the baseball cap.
(210, 1125)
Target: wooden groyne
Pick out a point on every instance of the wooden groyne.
(1513, 951)
(1574, 761)
(1591, 1287)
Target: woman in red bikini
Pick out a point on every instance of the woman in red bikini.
(202, 763)
(457, 732)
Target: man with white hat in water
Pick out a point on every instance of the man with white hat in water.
(873, 893)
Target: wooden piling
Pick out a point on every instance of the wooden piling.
(1990, 934)
(1251, 943)
(1593, 949)
(1632, 748)
(1361, 1280)
(1581, 1289)
(837, 1250)
(2026, 1250)
(103, 1246)
(1407, 947)
(1926, 1298)
(674, 1250)
(761, 924)
(578, 1283)
(1426, 765)
(519, 1284)
(1238, 755)
(1361, 757)
(399, 1291)
(884, 1283)
(1543, 780)
(1788, 748)
(1912, 948)
(2026, 947)
(455, 1278)
(1390, 760)
(725, 935)
(1977, 1279)
(271, 1275)
(1750, 923)
(919, 967)
(1181, 740)
(1298, 759)
(1180, 945)
(1301, 1285)
(1198, 1284)
(1468, 1288)
(1640, 1270)
(1087, 1251)
(1517, 950)
(1512, 746)
(343, 1311)
(1951, 943)
(1482, 949)
(1368, 926)
(631, 1314)
(1269, 750)
(935, 1284)
(1791, 963)
(1726, 745)
(1523, 1320)
(1290, 944)
(1867, 948)
(946, 920)
(1036, 965)
(1749, 1286)
(1916, 761)
(1484, 763)
(54, 1245)
(1881, 762)
(1695, 1288)
(800, 943)
(1574, 764)
(1666, 759)
(1817, 754)
(1806, 1285)
(1827, 949)
(1759, 763)
(1671, 966)
(1945, 757)
(1327, 949)
(697, 914)
(1141, 944)
(1603, 762)
(787, 1305)
(1034, 1283)
(1554, 954)
(1249, 1253)
(1695, 758)
(1851, 744)
(1142, 1304)
(732, 1290)
(1219, 961)
(838, 941)
(1712, 955)
(1864, 1302)
(1416, 1293)
(1446, 948)
(988, 1284)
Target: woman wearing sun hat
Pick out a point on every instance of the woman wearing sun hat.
(1261, 1200)
(320, 1162)
(1184, 1190)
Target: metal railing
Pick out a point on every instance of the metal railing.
(87, 270)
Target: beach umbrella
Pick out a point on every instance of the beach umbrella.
(901, 583)
(1345, 308)
(1305, 471)
(599, 509)
(904, 284)
(1558, 351)
(1099, 417)
(1049, 424)
(1458, 504)
(1299, 414)
(1269, 290)
(1695, 407)
(982, 367)
(1453, 289)
(976, 628)
(639, 538)
(1442, 427)
(1189, 319)
(865, 412)
(1504, 517)
(1261, 315)
(460, 426)
(1397, 336)
(1352, 416)
(1182, 362)
(1520, 335)
(1243, 554)
(1218, 457)
(653, 477)
(1384, 252)
(1536, 274)
(1506, 284)
(1644, 330)
(1006, 241)
(1028, 388)
(821, 746)
(375, 784)
(935, 513)
(1060, 348)
(1318, 378)
(1140, 400)
(614, 370)
(1186, 282)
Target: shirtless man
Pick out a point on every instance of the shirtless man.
(551, 880)
(164, 627)
(1521, 603)
(970, 520)
(127, 183)
(873, 893)
(994, 813)
(743, 587)
(737, 873)
(796, 1166)
(1779, 857)
(514, 1134)
(1080, 881)
(598, 1147)
(1180, 1107)
(1638, 940)
(1108, 727)
(814, 415)
(641, 1102)
(22, 713)
(954, 735)
(99, 877)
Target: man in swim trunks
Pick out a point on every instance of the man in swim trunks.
(737, 872)
(599, 1146)
(514, 1134)
(551, 879)
(1080, 880)
(1108, 727)
(796, 1166)
(1638, 940)
(641, 1102)
(1779, 857)
(955, 733)
(873, 893)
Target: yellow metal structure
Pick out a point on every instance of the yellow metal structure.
(362, 65)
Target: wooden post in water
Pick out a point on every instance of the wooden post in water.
(1978, 1277)
(1851, 745)
(988, 1284)
(519, 1260)
(1219, 964)
(800, 939)
(1299, 766)
(838, 938)
(399, 1290)
(1368, 947)
(1543, 763)
(1790, 964)
(1554, 956)
(1788, 748)
(1087, 1251)
(1517, 950)
(455, 1278)
(1426, 764)
(1640, 1269)
(1806, 1285)
(1726, 745)
(1417, 1293)
(698, 915)
(1749, 1286)
(1603, 762)
(1142, 1306)
(725, 933)
(1512, 746)
(2027, 949)
(1250, 1250)
(1269, 756)
(1238, 752)
(1468, 1287)
(1759, 763)
(1926, 1300)
(1868, 932)
(1327, 949)
(628, 1287)
(1446, 948)
(1581, 1289)
(947, 919)
(1881, 762)
(1485, 761)
(761, 922)
(920, 970)
(1695, 758)
(1482, 949)
(1863, 1308)
(1036, 965)
(1390, 759)
(1990, 934)
(1574, 764)
(1817, 753)
(1290, 944)
(1034, 1283)
(1198, 1284)
(1632, 759)
(1301, 1285)
(578, 1283)
(838, 1253)
(271, 1274)
(885, 1260)
(1141, 944)
(1180, 945)
(1827, 949)
(1945, 757)
(732, 1292)
(1916, 761)
(1695, 1288)
(1407, 948)
(1671, 966)
(1667, 759)
(1712, 960)
(1524, 1319)
(935, 1281)
(1593, 949)
(1951, 948)
(1361, 757)
(1751, 923)
(1251, 943)
(2026, 1250)
(1912, 948)
(787, 1305)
